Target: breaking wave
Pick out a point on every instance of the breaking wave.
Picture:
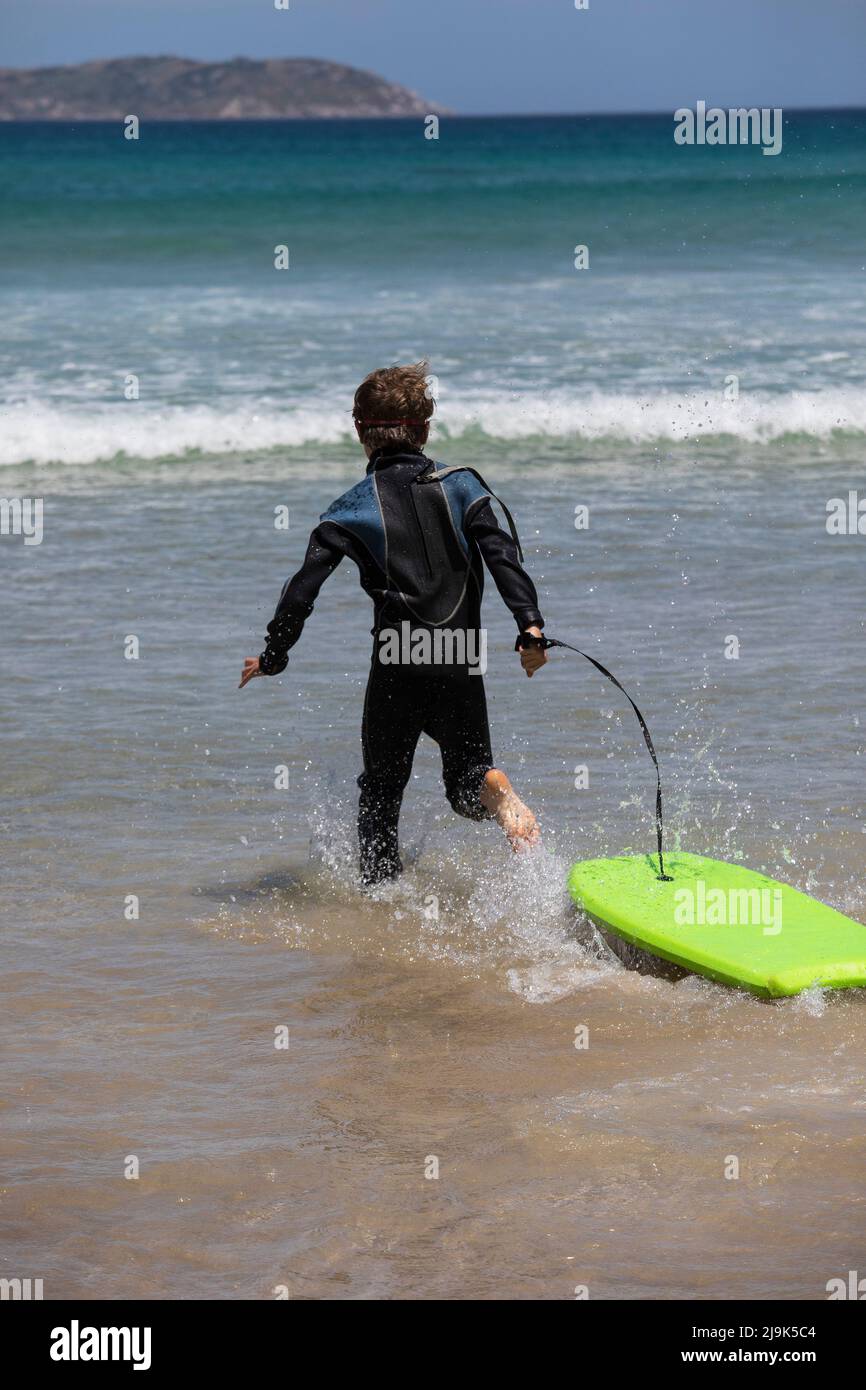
(33, 432)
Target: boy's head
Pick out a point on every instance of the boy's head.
(393, 408)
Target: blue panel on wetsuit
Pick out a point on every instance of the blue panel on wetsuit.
(358, 512)
(461, 490)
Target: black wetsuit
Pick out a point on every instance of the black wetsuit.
(417, 535)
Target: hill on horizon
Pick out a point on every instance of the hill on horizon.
(172, 88)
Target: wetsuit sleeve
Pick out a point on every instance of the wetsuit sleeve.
(324, 552)
(501, 558)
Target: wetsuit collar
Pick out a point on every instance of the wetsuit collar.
(382, 458)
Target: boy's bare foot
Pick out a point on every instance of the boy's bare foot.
(500, 799)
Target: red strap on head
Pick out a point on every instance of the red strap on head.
(405, 420)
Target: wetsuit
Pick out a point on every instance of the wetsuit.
(417, 533)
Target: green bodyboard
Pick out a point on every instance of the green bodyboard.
(723, 921)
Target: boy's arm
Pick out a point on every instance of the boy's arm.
(501, 558)
(324, 552)
(514, 584)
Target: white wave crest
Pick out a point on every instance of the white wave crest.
(35, 432)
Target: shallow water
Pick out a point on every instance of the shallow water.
(439, 1017)
(435, 1019)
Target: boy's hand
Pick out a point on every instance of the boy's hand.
(533, 658)
(251, 668)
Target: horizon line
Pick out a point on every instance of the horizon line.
(447, 115)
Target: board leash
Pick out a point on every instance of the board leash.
(555, 642)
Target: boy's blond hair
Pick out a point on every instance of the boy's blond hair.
(393, 407)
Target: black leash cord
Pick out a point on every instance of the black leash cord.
(554, 642)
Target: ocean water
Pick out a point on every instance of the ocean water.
(438, 1017)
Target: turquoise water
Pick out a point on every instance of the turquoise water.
(156, 257)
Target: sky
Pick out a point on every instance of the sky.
(492, 56)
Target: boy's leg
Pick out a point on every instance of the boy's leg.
(389, 733)
(474, 787)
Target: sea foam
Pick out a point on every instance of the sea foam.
(35, 432)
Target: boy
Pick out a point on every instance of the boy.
(417, 534)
